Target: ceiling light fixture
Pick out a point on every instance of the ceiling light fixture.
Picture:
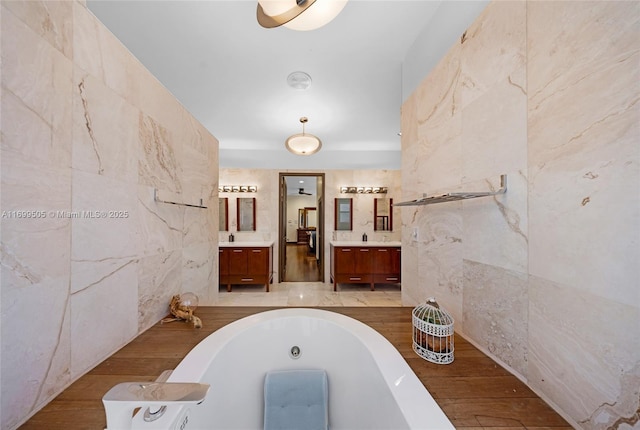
(302, 143)
(299, 80)
(298, 14)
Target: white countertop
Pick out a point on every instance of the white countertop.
(367, 243)
(245, 244)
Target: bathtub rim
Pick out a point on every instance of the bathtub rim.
(411, 396)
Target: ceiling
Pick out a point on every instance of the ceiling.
(231, 74)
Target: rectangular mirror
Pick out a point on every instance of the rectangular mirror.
(223, 214)
(311, 218)
(382, 214)
(344, 214)
(246, 213)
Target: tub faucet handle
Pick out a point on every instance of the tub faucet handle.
(121, 400)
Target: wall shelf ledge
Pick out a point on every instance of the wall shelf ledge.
(175, 199)
(452, 197)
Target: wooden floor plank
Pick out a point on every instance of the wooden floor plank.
(473, 391)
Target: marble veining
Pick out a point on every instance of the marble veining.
(87, 122)
(158, 163)
(496, 312)
(546, 92)
(100, 260)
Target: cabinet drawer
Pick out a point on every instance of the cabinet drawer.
(249, 279)
(354, 279)
(389, 278)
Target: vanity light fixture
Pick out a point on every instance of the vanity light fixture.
(237, 189)
(303, 143)
(301, 15)
(363, 190)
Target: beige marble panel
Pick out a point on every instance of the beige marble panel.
(200, 272)
(494, 50)
(410, 150)
(158, 162)
(584, 353)
(104, 228)
(156, 101)
(200, 225)
(35, 347)
(99, 53)
(411, 188)
(197, 168)
(495, 312)
(440, 255)
(36, 104)
(439, 158)
(411, 289)
(159, 279)
(496, 227)
(27, 134)
(50, 20)
(583, 156)
(71, 142)
(570, 45)
(105, 130)
(103, 318)
(439, 94)
(494, 133)
(87, 37)
(161, 225)
(35, 244)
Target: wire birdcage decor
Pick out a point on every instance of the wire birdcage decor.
(433, 332)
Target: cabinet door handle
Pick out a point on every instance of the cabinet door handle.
(354, 278)
(256, 250)
(382, 250)
(237, 250)
(392, 279)
(364, 250)
(246, 279)
(346, 250)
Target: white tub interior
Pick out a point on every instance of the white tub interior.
(370, 384)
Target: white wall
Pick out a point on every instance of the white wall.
(86, 128)
(545, 277)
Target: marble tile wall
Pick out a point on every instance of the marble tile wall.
(87, 130)
(545, 277)
(267, 208)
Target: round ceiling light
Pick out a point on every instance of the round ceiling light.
(298, 14)
(303, 143)
(299, 80)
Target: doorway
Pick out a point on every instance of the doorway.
(301, 227)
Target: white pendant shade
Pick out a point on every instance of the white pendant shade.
(303, 144)
(309, 15)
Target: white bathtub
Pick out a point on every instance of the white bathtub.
(370, 385)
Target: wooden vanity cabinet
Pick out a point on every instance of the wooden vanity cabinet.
(364, 265)
(386, 265)
(246, 265)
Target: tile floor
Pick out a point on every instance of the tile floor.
(310, 294)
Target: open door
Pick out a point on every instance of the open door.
(320, 244)
(282, 234)
(291, 227)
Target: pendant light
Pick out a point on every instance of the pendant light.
(302, 143)
(301, 15)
